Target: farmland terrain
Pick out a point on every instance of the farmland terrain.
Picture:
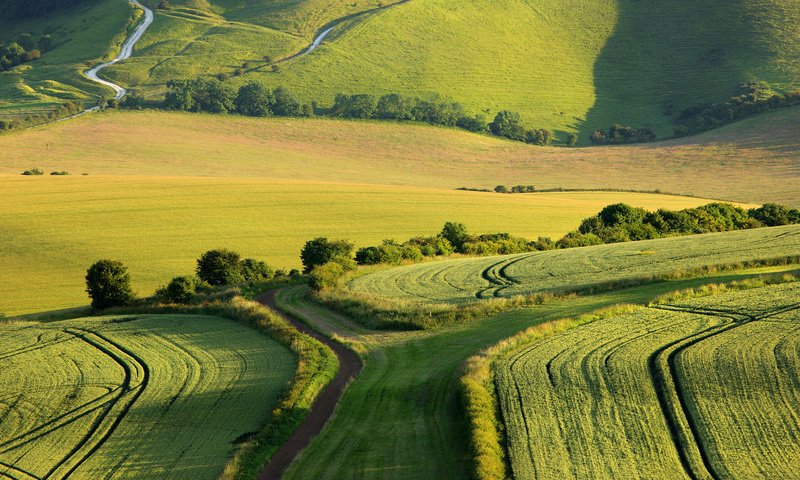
(468, 280)
(701, 388)
(56, 226)
(402, 416)
(79, 395)
(754, 160)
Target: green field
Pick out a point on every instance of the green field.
(753, 161)
(129, 397)
(704, 389)
(55, 227)
(466, 280)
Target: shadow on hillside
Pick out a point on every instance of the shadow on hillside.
(665, 56)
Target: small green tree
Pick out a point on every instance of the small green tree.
(181, 289)
(255, 100)
(220, 267)
(109, 284)
(456, 234)
(572, 140)
(255, 270)
(508, 124)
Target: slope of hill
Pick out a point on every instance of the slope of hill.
(81, 35)
(753, 161)
(571, 66)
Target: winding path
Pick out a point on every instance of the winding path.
(322, 410)
(125, 52)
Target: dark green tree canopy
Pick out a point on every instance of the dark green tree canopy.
(109, 284)
(321, 251)
(220, 267)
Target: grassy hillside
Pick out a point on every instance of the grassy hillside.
(79, 395)
(55, 227)
(697, 390)
(466, 280)
(82, 36)
(753, 161)
(570, 66)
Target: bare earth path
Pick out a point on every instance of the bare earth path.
(350, 366)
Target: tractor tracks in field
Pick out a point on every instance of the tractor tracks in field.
(322, 410)
(113, 407)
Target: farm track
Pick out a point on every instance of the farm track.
(350, 365)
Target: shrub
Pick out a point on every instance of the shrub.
(109, 284)
(61, 173)
(35, 171)
(539, 137)
(572, 140)
(501, 189)
(286, 104)
(354, 106)
(255, 270)
(220, 267)
(181, 289)
(577, 239)
(772, 215)
(320, 251)
(133, 101)
(476, 124)
(327, 276)
(395, 107)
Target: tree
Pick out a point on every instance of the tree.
(772, 214)
(220, 267)
(539, 137)
(621, 213)
(501, 189)
(455, 233)
(320, 251)
(395, 107)
(181, 289)
(286, 105)
(109, 284)
(475, 124)
(255, 100)
(508, 124)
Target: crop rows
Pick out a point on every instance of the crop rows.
(701, 389)
(466, 280)
(78, 397)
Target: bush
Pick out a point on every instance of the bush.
(320, 251)
(200, 95)
(61, 173)
(327, 276)
(354, 106)
(476, 124)
(577, 239)
(109, 284)
(539, 137)
(181, 289)
(35, 171)
(572, 140)
(395, 107)
(773, 215)
(220, 267)
(255, 270)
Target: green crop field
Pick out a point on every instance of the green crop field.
(753, 161)
(703, 389)
(55, 227)
(130, 397)
(466, 280)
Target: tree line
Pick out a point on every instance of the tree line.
(24, 49)
(326, 261)
(619, 135)
(752, 98)
(254, 99)
(18, 9)
(62, 111)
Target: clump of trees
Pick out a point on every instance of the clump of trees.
(16, 9)
(327, 261)
(108, 284)
(618, 135)
(515, 189)
(24, 49)
(622, 223)
(222, 267)
(215, 96)
(752, 98)
(508, 124)
(66, 110)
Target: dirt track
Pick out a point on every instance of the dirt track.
(349, 366)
